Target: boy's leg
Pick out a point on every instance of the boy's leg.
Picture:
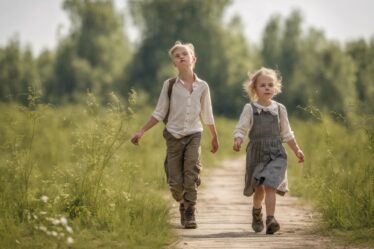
(258, 197)
(191, 177)
(272, 225)
(174, 165)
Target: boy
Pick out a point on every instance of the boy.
(180, 106)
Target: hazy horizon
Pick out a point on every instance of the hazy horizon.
(40, 22)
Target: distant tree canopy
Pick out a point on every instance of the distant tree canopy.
(18, 72)
(93, 56)
(221, 49)
(97, 56)
(314, 70)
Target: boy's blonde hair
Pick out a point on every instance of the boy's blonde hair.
(179, 44)
(250, 86)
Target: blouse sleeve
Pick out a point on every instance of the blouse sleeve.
(285, 129)
(245, 122)
(206, 107)
(163, 103)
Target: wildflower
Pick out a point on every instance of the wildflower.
(54, 233)
(55, 221)
(63, 221)
(69, 229)
(69, 240)
(42, 228)
(44, 198)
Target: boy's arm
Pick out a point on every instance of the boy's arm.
(215, 143)
(150, 123)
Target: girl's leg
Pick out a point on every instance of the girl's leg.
(272, 225)
(258, 197)
(270, 201)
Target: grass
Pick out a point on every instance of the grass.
(338, 175)
(69, 178)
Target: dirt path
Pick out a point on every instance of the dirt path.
(224, 221)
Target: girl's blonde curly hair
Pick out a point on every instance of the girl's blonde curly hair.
(250, 86)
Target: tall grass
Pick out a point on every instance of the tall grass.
(338, 174)
(69, 178)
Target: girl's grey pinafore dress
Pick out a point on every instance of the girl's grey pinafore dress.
(266, 161)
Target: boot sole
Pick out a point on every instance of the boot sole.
(272, 228)
(190, 226)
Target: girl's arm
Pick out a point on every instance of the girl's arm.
(288, 135)
(150, 123)
(296, 149)
(215, 143)
(244, 125)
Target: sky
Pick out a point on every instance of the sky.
(39, 23)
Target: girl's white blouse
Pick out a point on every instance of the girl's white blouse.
(245, 123)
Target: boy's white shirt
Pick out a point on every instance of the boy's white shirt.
(245, 123)
(185, 108)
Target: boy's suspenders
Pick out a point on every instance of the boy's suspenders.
(170, 89)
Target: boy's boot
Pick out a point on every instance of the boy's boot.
(257, 222)
(271, 225)
(181, 211)
(189, 218)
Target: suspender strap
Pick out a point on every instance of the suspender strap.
(170, 89)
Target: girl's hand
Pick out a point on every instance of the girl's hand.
(215, 144)
(136, 138)
(237, 144)
(299, 153)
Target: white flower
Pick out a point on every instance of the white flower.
(69, 240)
(69, 229)
(63, 221)
(54, 233)
(42, 228)
(44, 198)
(55, 221)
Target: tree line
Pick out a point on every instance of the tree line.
(97, 56)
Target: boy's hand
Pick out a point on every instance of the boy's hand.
(299, 153)
(237, 144)
(136, 138)
(215, 144)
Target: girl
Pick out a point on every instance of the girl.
(266, 162)
(183, 100)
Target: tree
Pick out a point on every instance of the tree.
(93, 55)
(219, 50)
(362, 53)
(18, 72)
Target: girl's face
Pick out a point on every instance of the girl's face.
(182, 58)
(265, 88)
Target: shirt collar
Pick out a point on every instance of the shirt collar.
(196, 81)
(272, 108)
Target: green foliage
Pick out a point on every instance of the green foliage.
(222, 52)
(18, 72)
(71, 172)
(362, 54)
(94, 54)
(338, 173)
(314, 70)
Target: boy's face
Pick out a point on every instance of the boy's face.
(182, 58)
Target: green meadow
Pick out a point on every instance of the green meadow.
(70, 178)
